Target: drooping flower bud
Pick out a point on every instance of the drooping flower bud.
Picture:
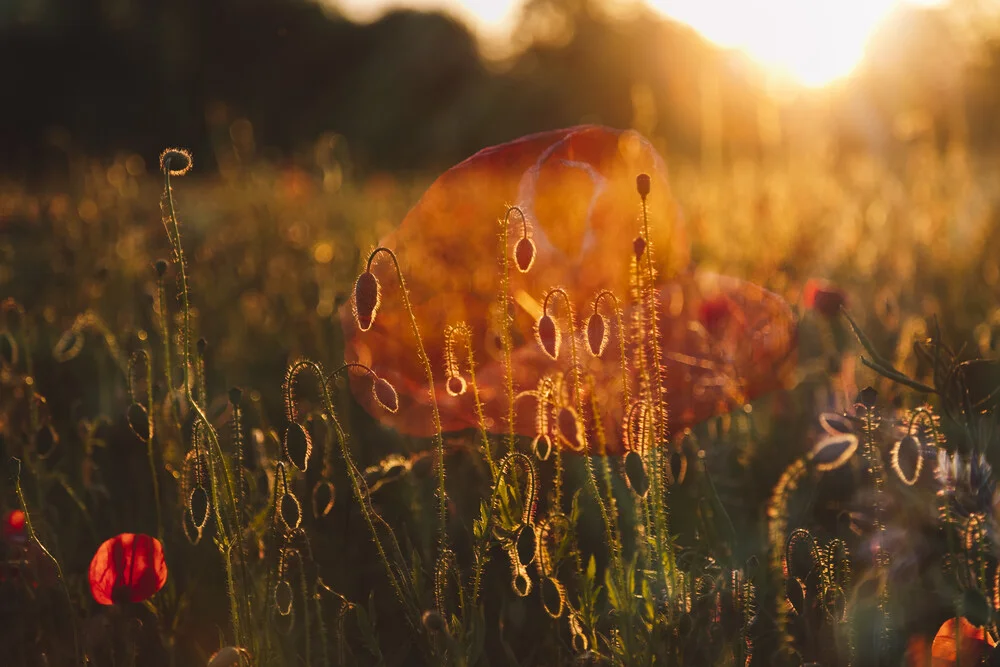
(455, 385)
(547, 332)
(386, 395)
(524, 254)
(176, 161)
(639, 247)
(597, 334)
(642, 185)
(367, 296)
(570, 429)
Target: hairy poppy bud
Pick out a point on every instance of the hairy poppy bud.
(597, 334)
(161, 267)
(524, 254)
(547, 333)
(570, 430)
(176, 161)
(642, 185)
(386, 395)
(455, 385)
(366, 299)
(867, 397)
(639, 247)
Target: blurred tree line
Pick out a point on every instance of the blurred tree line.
(412, 90)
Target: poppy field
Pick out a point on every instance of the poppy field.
(571, 401)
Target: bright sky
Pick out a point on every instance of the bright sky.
(812, 41)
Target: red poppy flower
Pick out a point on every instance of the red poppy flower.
(127, 568)
(577, 189)
(823, 297)
(13, 524)
(957, 642)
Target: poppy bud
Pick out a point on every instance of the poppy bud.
(642, 185)
(833, 451)
(542, 446)
(547, 333)
(283, 597)
(161, 267)
(385, 395)
(176, 161)
(597, 334)
(235, 396)
(455, 385)
(324, 495)
(297, 445)
(433, 622)
(639, 247)
(635, 473)
(290, 511)
(198, 506)
(524, 254)
(569, 429)
(867, 397)
(367, 295)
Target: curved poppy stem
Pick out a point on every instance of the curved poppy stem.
(33, 536)
(229, 534)
(463, 332)
(425, 360)
(360, 488)
(506, 341)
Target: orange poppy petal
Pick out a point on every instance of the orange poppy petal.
(577, 189)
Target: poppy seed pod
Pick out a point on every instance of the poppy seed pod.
(386, 395)
(547, 333)
(597, 334)
(524, 254)
(127, 568)
(367, 295)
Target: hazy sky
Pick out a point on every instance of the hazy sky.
(811, 41)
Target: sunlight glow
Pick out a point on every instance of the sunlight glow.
(811, 42)
(814, 42)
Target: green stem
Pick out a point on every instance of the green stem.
(442, 496)
(33, 536)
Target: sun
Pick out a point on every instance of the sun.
(813, 42)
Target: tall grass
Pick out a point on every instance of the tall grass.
(772, 535)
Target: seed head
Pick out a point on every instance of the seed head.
(455, 385)
(642, 185)
(524, 254)
(639, 247)
(547, 332)
(597, 334)
(176, 161)
(367, 296)
(161, 267)
(385, 395)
